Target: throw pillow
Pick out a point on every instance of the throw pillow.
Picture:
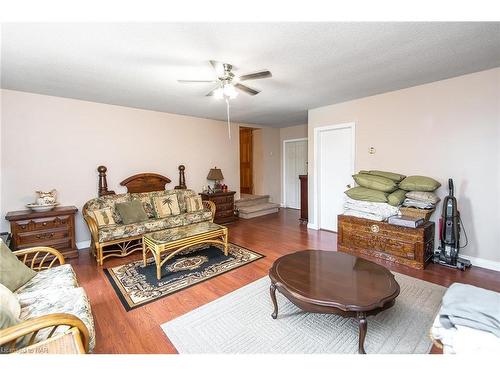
(420, 183)
(145, 198)
(9, 301)
(13, 273)
(396, 177)
(166, 205)
(131, 212)
(424, 196)
(375, 182)
(104, 217)
(364, 194)
(194, 204)
(397, 197)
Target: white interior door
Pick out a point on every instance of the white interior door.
(335, 159)
(295, 159)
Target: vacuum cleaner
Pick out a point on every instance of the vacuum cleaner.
(450, 226)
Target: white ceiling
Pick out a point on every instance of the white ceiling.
(313, 64)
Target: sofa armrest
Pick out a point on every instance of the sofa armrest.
(37, 257)
(30, 328)
(211, 206)
(92, 224)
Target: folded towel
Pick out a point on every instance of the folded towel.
(363, 215)
(470, 306)
(408, 202)
(378, 209)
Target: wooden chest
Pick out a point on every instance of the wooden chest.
(55, 228)
(412, 247)
(224, 206)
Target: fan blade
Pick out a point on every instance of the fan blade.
(218, 67)
(246, 89)
(256, 75)
(211, 92)
(195, 81)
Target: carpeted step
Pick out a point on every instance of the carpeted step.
(249, 212)
(251, 200)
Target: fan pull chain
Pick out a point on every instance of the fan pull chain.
(228, 118)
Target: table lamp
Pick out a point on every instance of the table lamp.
(215, 174)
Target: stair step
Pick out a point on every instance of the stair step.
(250, 200)
(248, 212)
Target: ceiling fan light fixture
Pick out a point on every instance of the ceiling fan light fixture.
(230, 91)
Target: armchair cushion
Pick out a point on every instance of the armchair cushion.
(13, 272)
(60, 277)
(59, 300)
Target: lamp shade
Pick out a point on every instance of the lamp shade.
(215, 174)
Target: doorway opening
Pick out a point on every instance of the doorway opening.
(294, 165)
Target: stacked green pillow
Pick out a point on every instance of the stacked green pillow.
(388, 187)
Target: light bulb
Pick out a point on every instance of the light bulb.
(230, 91)
(219, 93)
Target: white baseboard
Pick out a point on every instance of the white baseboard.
(483, 263)
(312, 226)
(83, 244)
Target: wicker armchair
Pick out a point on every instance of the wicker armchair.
(41, 258)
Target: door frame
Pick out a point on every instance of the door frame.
(284, 166)
(316, 169)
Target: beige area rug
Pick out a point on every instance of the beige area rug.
(241, 322)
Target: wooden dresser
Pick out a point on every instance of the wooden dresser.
(55, 228)
(224, 206)
(304, 215)
(412, 247)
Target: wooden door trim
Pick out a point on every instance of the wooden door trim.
(283, 166)
(316, 178)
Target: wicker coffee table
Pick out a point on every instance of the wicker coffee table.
(174, 240)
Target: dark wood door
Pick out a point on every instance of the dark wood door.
(246, 161)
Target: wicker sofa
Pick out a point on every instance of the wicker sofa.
(119, 240)
(51, 303)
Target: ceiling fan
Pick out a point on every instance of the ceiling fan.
(227, 83)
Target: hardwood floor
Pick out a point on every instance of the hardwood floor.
(138, 331)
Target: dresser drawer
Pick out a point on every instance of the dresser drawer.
(41, 224)
(41, 237)
(228, 213)
(225, 207)
(222, 200)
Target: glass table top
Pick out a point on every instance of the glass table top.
(182, 232)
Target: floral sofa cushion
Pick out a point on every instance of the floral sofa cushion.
(63, 300)
(113, 232)
(55, 290)
(57, 277)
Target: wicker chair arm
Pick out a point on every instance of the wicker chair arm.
(40, 255)
(92, 224)
(211, 206)
(10, 336)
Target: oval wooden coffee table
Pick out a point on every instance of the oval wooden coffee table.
(331, 282)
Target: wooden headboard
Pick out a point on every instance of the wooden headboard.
(145, 182)
(140, 183)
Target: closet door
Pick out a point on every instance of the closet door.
(295, 160)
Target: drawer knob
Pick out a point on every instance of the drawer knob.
(375, 228)
(44, 223)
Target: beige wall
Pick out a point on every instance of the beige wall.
(266, 163)
(51, 142)
(449, 128)
(291, 132)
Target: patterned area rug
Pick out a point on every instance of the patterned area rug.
(137, 285)
(240, 322)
